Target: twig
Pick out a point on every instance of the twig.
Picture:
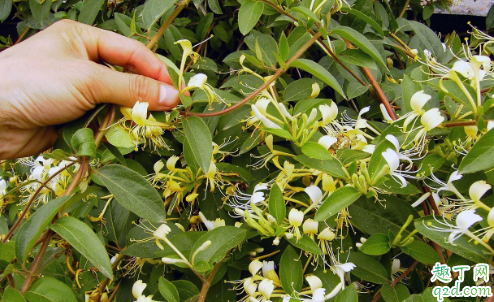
(165, 25)
(30, 202)
(463, 124)
(207, 283)
(23, 35)
(105, 124)
(397, 280)
(375, 85)
(260, 89)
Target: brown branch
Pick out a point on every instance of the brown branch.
(260, 89)
(165, 25)
(105, 124)
(207, 283)
(23, 35)
(394, 283)
(463, 124)
(30, 202)
(375, 85)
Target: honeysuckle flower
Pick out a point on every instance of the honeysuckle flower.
(3, 187)
(478, 189)
(464, 221)
(264, 120)
(464, 68)
(386, 116)
(138, 288)
(295, 217)
(285, 112)
(315, 90)
(327, 141)
(199, 81)
(187, 52)
(243, 201)
(266, 288)
(211, 225)
(143, 128)
(315, 194)
(395, 266)
(328, 113)
(314, 282)
(250, 286)
(340, 269)
(393, 161)
(268, 271)
(431, 119)
(310, 227)
(360, 122)
(255, 266)
(162, 231)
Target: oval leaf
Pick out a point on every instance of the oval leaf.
(133, 191)
(377, 244)
(479, 158)
(154, 9)
(249, 15)
(340, 199)
(199, 140)
(168, 290)
(320, 72)
(291, 271)
(35, 225)
(50, 289)
(277, 206)
(85, 241)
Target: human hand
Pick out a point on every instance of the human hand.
(53, 78)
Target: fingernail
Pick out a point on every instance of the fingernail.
(168, 96)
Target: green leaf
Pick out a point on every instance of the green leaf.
(39, 10)
(291, 271)
(90, 10)
(306, 244)
(337, 201)
(214, 5)
(154, 9)
(421, 252)
(368, 268)
(284, 47)
(119, 137)
(199, 140)
(299, 89)
(332, 167)
(31, 230)
(168, 290)
(375, 245)
(277, 207)
(428, 38)
(365, 18)
(489, 20)
(361, 42)
(359, 58)
(479, 158)
(115, 152)
(394, 294)
(320, 72)
(317, 151)
(349, 294)
(83, 142)
(307, 12)
(186, 289)
(222, 240)
(371, 217)
(48, 289)
(85, 241)
(5, 8)
(462, 246)
(133, 191)
(12, 295)
(249, 15)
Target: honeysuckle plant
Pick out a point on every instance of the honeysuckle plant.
(322, 151)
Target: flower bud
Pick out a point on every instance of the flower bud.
(326, 234)
(310, 227)
(167, 260)
(295, 217)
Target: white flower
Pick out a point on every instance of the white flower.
(250, 286)
(162, 231)
(478, 189)
(264, 120)
(314, 282)
(318, 295)
(464, 68)
(242, 201)
(431, 119)
(266, 288)
(419, 99)
(285, 112)
(464, 221)
(138, 288)
(341, 269)
(314, 193)
(139, 113)
(328, 113)
(295, 217)
(198, 81)
(393, 161)
(395, 266)
(3, 187)
(262, 105)
(311, 227)
(385, 114)
(255, 266)
(211, 225)
(326, 234)
(167, 260)
(327, 141)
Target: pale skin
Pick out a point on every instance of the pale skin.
(56, 76)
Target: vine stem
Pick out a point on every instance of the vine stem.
(375, 85)
(260, 89)
(463, 124)
(105, 124)
(207, 283)
(30, 202)
(165, 25)
(393, 284)
(46, 242)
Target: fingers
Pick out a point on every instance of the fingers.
(125, 89)
(18, 143)
(122, 51)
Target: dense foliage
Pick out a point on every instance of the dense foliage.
(328, 150)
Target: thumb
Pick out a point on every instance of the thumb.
(126, 89)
